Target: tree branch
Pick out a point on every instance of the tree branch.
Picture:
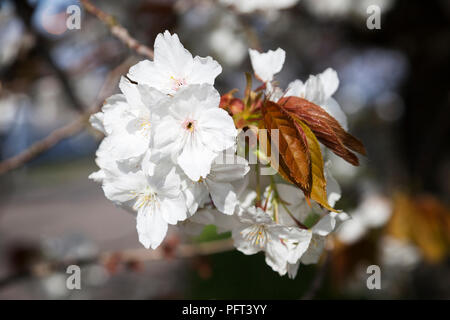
(25, 12)
(68, 130)
(117, 30)
(182, 251)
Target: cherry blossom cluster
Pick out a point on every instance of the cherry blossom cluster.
(169, 157)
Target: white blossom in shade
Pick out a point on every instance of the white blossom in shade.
(195, 224)
(319, 89)
(248, 6)
(226, 40)
(109, 167)
(294, 206)
(293, 202)
(174, 67)
(226, 169)
(257, 232)
(210, 214)
(128, 119)
(109, 118)
(345, 8)
(157, 200)
(195, 130)
(373, 212)
(267, 64)
(399, 253)
(320, 230)
(334, 192)
(313, 252)
(223, 223)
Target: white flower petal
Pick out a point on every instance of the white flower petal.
(131, 92)
(217, 129)
(206, 70)
(223, 196)
(196, 159)
(325, 225)
(296, 89)
(195, 224)
(242, 244)
(266, 65)
(96, 121)
(330, 82)
(196, 194)
(123, 188)
(334, 109)
(170, 53)
(173, 209)
(292, 269)
(315, 250)
(276, 253)
(228, 168)
(166, 136)
(333, 188)
(151, 228)
(148, 73)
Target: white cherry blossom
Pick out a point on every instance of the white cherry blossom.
(195, 130)
(157, 200)
(129, 118)
(174, 67)
(267, 64)
(169, 156)
(319, 232)
(226, 169)
(295, 208)
(259, 232)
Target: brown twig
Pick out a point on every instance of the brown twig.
(68, 130)
(25, 12)
(44, 144)
(77, 125)
(182, 251)
(117, 30)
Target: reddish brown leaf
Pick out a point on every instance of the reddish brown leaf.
(225, 100)
(319, 183)
(295, 160)
(274, 162)
(325, 127)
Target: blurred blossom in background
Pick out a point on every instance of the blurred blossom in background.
(394, 88)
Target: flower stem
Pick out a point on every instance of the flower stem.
(258, 183)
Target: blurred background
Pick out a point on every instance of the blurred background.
(394, 88)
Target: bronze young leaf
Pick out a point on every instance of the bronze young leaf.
(295, 160)
(319, 184)
(325, 127)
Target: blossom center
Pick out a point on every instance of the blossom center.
(256, 235)
(189, 125)
(177, 83)
(145, 125)
(147, 198)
